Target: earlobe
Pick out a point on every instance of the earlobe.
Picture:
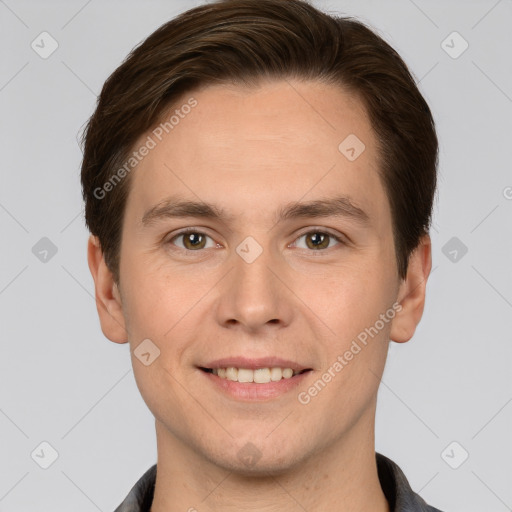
(411, 295)
(108, 299)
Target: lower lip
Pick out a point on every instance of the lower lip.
(251, 391)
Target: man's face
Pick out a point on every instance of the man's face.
(251, 284)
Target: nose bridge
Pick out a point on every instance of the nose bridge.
(253, 296)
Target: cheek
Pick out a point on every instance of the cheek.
(356, 348)
(351, 297)
(158, 307)
(166, 307)
(155, 298)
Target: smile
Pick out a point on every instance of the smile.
(258, 376)
(254, 384)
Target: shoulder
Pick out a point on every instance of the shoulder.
(397, 489)
(140, 497)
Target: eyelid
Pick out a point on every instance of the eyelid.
(201, 231)
(339, 237)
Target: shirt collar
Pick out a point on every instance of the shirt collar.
(396, 488)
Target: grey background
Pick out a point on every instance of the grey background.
(62, 382)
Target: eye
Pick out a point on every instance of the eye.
(191, 240)
(317, 240)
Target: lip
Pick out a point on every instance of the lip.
(254, 363)
(251, 392)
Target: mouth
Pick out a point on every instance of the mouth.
(262, 375)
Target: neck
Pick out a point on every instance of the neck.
(342, 477)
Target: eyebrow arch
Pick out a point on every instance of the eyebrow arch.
(175, 207)
(340, 206)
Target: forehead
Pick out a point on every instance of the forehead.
(250, 148)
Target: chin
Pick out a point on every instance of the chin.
(253, 461)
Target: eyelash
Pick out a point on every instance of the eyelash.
(337, 238)
(331, 235)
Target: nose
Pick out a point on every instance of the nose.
(254, 296)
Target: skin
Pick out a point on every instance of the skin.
(250, 151)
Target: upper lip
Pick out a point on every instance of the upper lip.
(254, 364)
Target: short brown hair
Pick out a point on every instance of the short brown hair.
(242, 42)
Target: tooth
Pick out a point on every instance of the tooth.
(259, 376)
(287, 373)
(276, 374)
(231, 373)
(245, 375)
(262, 375)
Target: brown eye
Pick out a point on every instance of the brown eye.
(192, 241)
(317, 240)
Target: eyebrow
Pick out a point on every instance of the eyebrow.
(339, 206)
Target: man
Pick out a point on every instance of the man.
(258, 180)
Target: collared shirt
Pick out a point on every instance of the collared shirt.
(396, 488)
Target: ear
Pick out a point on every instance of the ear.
(108, 298)
(411, 293)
